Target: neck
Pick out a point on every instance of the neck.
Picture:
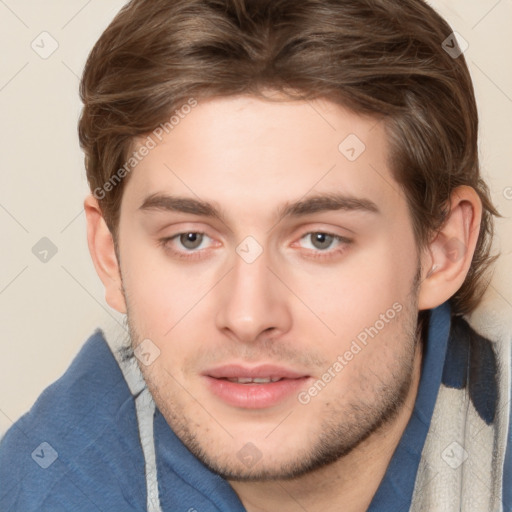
(348, 484)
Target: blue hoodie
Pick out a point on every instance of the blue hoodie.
(79, 447)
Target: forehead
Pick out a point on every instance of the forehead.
(244, 151)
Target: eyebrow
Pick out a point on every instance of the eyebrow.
(314, 204)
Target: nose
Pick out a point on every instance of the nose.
(252, 302)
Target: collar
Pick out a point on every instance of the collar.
(396, 489)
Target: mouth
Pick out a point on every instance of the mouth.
(249, 380)
(258, 387)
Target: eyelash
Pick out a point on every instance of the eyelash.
(197, 254)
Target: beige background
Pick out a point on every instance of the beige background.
(47, 310)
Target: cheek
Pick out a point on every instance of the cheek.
(162, 295)
(150, 291)
(353, 295)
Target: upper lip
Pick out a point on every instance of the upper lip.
(233, 371)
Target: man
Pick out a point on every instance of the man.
(286, 204)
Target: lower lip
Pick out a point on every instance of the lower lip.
(255, 396)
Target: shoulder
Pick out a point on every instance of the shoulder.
(78, 446)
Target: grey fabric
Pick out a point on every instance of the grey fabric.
(116, 337)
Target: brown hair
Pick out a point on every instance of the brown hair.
(384, 58)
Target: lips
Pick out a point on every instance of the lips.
(254, 388)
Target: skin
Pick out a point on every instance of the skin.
(299, 304)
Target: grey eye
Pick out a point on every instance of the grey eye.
(191, 240)
(321, 240)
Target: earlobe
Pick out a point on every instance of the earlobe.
(103, 254)
(447, 259)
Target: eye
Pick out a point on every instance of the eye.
(190, 240)
(320, 240)
(186, 245)
(323, 244)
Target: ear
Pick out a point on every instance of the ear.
(102, 249)
(447, 259)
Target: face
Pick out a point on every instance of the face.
(269, 268)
